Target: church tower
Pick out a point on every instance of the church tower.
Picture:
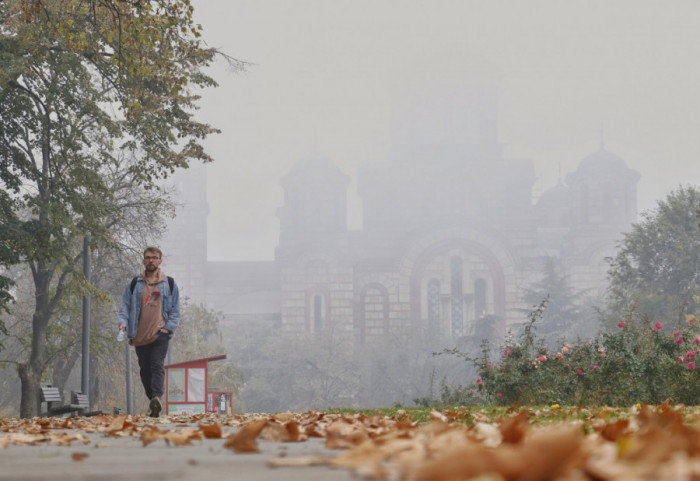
(185, 243)
(315, 202)
(312, 257)
(603, 206)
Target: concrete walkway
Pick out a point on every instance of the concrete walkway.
(110, 458)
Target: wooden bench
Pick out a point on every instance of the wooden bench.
(54, 404)
(80, 399)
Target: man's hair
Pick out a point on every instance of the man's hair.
(153, 249)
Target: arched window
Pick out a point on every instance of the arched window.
(479, 298)
(317, 312)
(434, 304)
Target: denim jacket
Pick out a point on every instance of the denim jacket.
(131, 306)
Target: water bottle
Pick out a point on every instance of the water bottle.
(122, 335)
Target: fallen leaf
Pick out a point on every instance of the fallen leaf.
(275, 432)
(147, 437)
(178, 438)
(438, 416)
(245, 440)
(513, 428)
(210, 431)
(298, 462)
(79, 456)
(117, 423)
(295, 432)
(540, 457)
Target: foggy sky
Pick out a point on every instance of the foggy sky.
(331, 76)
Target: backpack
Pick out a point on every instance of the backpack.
(171, 283)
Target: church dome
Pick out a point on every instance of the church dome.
(602, 164)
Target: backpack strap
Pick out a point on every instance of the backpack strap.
(171, 283)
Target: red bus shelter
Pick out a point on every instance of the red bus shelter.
(186, 389)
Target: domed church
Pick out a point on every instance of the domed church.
(451, 236)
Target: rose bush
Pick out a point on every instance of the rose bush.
(640, 361)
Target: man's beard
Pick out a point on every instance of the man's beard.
(151, 268)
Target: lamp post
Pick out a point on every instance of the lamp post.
(85, 379)
(129, 390)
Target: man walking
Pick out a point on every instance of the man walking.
(150, 313)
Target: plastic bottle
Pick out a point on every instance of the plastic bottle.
(122, 335)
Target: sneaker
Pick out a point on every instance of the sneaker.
(155, 406)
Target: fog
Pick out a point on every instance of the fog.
(395, 179)
(336, 76)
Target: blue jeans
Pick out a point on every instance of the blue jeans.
(152, 365)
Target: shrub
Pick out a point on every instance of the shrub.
(640, 360)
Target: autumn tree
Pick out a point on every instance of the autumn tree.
(82, 81)
(656, 271)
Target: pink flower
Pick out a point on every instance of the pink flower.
(488, 365)
(620, 324)
(653, 330)
(578, 371)
(679, 340)
(500, 395)
(471, 391)
(680, 359)
(601, 350)
(691, 365)
(676, 333)
(595, 368)
(658, 325)
(559, 355)
(565, 349)
(478, 380)
(689, 354)
(568, 366)
(690, 321)
(542, 358)
(697, 340)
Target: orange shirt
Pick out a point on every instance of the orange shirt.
(151, 314)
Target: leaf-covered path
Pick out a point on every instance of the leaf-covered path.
(646, 442)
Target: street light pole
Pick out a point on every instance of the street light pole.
(129, 390)
(85, 380)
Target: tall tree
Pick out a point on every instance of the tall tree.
(80, 81)
(656, 272)
(562, 313)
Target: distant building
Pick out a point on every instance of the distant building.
(447, 243)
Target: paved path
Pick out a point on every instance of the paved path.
(126, 458)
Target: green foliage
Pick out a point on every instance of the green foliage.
(97, 104)
(641, 361)
(657, 269)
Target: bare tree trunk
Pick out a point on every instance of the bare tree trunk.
(30, 372)
(30, 401)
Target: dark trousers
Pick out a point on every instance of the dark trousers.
(152, 364)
